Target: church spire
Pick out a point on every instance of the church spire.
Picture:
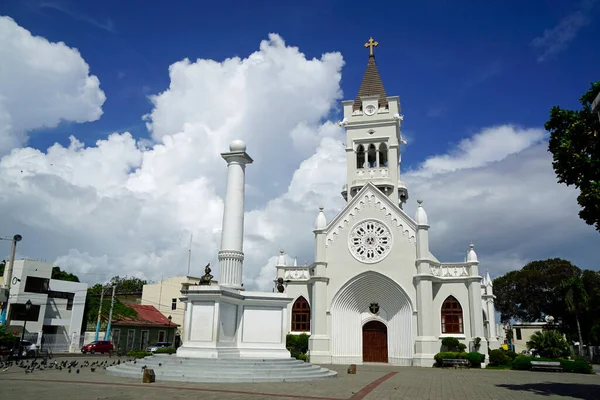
(371, 84)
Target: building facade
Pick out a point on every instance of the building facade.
(56, 313)
(375, 292)
(165, 296)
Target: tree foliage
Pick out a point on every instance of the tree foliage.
(575, 146)
(57, 273)
(552, 287)
(124, 285)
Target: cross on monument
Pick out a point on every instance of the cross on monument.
(370, 44)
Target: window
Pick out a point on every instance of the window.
(519, 337)
(452, 319)
(53, 294)
(115, 336)
(70, 302)
(372, 156)
(161, 336)
(33, 284)
(360, 156)
(174, 304)
(383, 155)
(301, 315)
(18, 312)
(130, 339)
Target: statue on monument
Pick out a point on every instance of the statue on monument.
(206, 278)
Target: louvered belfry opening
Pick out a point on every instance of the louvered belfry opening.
(371, 86)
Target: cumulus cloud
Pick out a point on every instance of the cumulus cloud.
(126, 207)
(41, 84)
(123, 207)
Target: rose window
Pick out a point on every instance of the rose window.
(370, 241)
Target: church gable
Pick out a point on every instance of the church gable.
(371, 198)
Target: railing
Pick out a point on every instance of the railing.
(296, 274)
(450, 270)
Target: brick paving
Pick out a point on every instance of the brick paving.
(370, 382)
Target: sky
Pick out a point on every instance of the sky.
(113, 115)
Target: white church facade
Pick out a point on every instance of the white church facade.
(375, 292)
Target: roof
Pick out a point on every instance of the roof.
(371, 85)
(147, 315)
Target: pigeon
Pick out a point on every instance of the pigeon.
(77, 370)
(69, 370)
(92, 369)
(160, 364)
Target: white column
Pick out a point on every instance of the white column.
(231, 254)
(318, 343)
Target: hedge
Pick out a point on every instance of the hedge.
(166, 350)
(138, 354)
(499, 357)
(475, 358)
(578, 366)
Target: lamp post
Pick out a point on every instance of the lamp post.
(27, 308)
(169, 328)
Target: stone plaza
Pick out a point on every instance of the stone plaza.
(370, 382)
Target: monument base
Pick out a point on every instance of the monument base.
(222, 322)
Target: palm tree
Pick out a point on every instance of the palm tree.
(576, 300)
(549, 343)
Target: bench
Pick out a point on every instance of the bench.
(455, 362)
(546, 366)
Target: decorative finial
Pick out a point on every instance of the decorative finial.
(472, 246)
(370, 44)
(280, 251)
(420, 201)
(321, 208)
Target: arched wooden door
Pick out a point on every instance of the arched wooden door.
(375, 348)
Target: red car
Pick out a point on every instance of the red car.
(99, 346)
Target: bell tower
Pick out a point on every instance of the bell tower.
(372, 122)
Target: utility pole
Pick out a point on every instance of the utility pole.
(7, 279)
(99, 315)
(112, 303)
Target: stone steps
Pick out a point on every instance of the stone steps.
(223, 370)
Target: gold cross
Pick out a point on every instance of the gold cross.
(370, 44)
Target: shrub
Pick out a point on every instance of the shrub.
(302, 356)
(166, 350)
(477, 343)
(138, 354)
(521, 363)
(297, 344)
(511, 354)
(462, 347)
(475, 359)
(499, 357)
(450, 344)
(578, 366)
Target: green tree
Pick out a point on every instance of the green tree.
(534, 291)
(575, 146)
(549, 343)
(58, 274)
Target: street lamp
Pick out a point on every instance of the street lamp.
(169, 328)
(8, 277)
(27, 308)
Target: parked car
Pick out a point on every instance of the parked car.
(28, 349)
(98, 346)
(158, 345)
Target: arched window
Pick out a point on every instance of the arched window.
(452, 317)
(372, 156)
(301, 315)
(360, 156)
(383, 155)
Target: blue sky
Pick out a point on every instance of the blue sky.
(457, 67)
(476, 82)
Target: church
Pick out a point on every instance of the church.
(375, 292)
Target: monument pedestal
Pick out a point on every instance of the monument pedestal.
(222, 322)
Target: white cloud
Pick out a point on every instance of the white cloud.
(121, 207)
(41, 84)
(555, 40)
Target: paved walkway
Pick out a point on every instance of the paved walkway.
(370, 382)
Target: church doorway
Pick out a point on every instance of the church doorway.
(375, 347)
